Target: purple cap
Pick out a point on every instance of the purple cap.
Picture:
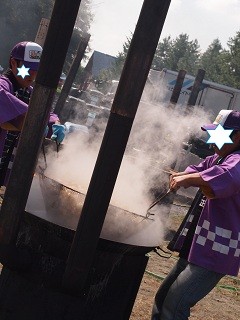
(29, 53)
(229, 119)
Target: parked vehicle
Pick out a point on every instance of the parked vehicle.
(212, 97)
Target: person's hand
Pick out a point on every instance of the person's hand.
(58, 133)
(173, 175)
(177, 181)
(191, 180)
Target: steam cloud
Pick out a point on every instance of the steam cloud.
(154, 144)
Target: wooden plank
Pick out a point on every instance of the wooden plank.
(42, 31)
(177, 88)
(195, 90)
(71, 76)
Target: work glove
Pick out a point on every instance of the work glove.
(58, 133)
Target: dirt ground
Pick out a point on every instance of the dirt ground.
(222, 303)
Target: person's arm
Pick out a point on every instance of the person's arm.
(216, 181)
(187, 180)
(13, 110)
(55, 130)
(224, 178)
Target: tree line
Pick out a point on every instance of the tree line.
(19, 21)
(221, 65)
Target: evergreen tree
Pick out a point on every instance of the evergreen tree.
(161, 57)
(225, 75)
(222, 65)
(234, 59)
(211, 61)
(121, 57)
(176, 54)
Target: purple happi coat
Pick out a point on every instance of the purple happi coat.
(11, 107)
(216, 242)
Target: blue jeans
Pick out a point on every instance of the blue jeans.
(184, 286)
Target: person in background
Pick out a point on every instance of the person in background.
(15, 92)
(208, 241)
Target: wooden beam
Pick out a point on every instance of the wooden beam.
(42, 31)
(71, 76)
(195, 90)
(125, 104)
(177, 88)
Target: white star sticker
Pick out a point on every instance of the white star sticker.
(219, 136)
(23, 71)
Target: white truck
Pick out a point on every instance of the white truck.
(212, 96)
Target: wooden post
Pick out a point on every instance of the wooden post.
(195, 90)
(42, 31)
(52, 60)
(71, 75)
(125, 104)
(177, 89)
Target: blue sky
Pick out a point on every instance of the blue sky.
(204, 20)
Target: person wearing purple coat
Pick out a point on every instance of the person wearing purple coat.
(15, 91)
(208, 241)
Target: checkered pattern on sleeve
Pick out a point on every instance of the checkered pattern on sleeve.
(222, 240)
(191, 216)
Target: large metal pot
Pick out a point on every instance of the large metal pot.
(46, 234)
(61, 205)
